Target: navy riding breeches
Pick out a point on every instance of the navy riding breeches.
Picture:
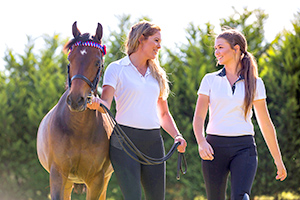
(234, 155)
(130, 174)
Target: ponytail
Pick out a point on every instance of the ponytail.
(249, 66)
(250, 74)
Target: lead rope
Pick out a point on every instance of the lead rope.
(144, 159)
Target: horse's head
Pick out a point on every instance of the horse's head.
(86, 64)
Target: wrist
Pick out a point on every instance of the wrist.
(200, 141)
(178, 135)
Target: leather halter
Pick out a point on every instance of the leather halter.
(93, 84)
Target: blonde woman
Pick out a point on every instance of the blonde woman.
(229, 146)
(140, 88)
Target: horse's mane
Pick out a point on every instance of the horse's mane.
(83, 38)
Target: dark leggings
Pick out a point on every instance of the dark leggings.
(130, 174)
(234, 155)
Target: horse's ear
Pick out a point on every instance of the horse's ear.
(99, 32)
(75, 30)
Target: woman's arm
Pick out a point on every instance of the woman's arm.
(205, 150)
(168, 124)
(269, 133)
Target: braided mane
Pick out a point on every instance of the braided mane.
(82, 38)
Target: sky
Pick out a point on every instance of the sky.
(22, 18)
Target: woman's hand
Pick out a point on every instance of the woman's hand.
(281, 171)
(206, 152)
(95, 104)
(183, 143)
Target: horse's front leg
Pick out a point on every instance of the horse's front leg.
(95, 187)
(106, 181)
(68, 190)
(57, 183)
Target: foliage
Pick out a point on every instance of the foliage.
(281, 75)
(32, 87)
(33, 82)
(186, 68)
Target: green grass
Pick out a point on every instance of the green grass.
(282, 196)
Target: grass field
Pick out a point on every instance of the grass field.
(282, 196)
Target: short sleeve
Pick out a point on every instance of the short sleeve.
(111, 75)
(204, 86)
(260, 90)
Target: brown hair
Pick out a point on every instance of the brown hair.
(248, 63)
(147, 29)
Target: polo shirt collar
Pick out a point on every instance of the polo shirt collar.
(222, 73)
(125, 61)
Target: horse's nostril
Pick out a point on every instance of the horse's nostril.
(76, 103)
(80, 101)
(68, 100)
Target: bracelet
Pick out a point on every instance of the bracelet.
(177, 136)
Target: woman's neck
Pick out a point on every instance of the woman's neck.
(138, 61)
(233, 69)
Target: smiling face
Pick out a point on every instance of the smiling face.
(151, 45)
(223, 52)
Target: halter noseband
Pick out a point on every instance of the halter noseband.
(93, 84)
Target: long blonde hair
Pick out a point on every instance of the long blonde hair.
(147, 29)
(248, 63)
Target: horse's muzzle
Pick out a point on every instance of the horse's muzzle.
(76, 103)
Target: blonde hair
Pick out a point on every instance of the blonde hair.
(248, 63)
(147, 29)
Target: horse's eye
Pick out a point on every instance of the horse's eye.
(98, 63)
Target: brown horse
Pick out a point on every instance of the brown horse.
(73, 141)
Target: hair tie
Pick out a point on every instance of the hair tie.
(246, 54)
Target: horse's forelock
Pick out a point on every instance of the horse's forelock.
(83, 38)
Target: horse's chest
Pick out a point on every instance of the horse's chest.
(86, 161)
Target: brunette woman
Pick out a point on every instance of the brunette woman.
(229, 145)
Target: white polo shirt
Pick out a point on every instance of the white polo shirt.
(226, 113)
(136, 96)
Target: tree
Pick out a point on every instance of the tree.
(252, 29)
(34, 85)
(186, 68)
(281, 74)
